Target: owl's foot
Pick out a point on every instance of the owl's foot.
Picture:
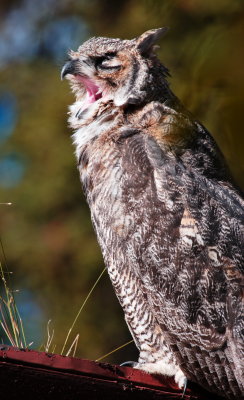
(181, 380)
(164, 368)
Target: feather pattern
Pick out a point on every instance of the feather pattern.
(167, 215)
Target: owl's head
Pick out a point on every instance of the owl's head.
(125, 71)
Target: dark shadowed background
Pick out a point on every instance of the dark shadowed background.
(47, 234)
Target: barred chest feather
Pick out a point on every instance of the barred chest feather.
(113, 202)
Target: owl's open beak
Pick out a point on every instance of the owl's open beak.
(69, 68)
(93, 92)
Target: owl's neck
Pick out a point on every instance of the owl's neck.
(103, 118)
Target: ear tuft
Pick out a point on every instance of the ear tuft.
(146, 41)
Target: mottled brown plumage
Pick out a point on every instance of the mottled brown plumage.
(167, 217)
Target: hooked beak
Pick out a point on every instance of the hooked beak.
(69, 68)
(92, 90)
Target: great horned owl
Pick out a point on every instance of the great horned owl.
(167, 217)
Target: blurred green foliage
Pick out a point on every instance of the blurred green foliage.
(47, 233)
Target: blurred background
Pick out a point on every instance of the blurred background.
(47, 235)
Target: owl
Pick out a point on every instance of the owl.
(166, 213)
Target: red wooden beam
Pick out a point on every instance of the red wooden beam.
(37, 375)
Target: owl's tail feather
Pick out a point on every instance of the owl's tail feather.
(216, 371)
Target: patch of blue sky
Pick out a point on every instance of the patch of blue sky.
(8, 114)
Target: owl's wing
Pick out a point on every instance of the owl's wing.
(204, 309)
(190, 225)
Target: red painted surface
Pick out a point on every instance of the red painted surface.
(55, 370)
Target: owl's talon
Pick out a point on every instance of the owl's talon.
(184, 389)
(131, 364)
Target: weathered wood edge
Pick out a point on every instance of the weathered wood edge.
(105, 376)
